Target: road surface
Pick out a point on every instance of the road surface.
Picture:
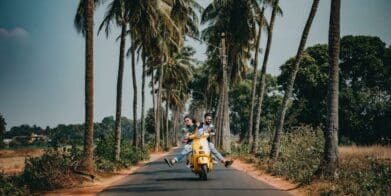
(156, 178)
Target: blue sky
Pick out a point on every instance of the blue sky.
(42, 56)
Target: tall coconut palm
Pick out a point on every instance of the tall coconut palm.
(225, 139)
(262, 23)
(169, 40)
(330, 159)
(276, 10)
(177, 74)
(84, 23)
(235, 19)
(157, 62)
(291, 80)
(184, 14)
(134, 82)
(143, 104)
(116, 14)
(144, 19)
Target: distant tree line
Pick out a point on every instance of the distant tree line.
(72, 134)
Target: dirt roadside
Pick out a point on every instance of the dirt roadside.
(92, 188)
(277, 182)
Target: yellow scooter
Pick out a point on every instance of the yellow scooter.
(201, 159)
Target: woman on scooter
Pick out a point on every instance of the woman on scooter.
(191, 126)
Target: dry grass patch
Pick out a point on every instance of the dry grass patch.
(375, 151)
(12, 162)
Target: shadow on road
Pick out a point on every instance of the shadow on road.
(157, 172)
(144, 189)
(179, 179)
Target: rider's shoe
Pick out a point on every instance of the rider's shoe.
(227, 163)
(171, 162)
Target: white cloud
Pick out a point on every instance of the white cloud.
(16, 33)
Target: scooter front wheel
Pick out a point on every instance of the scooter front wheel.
(204, 172)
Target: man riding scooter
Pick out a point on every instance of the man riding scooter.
(192, 128)
(208, 127)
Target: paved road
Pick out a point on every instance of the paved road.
(156, 178)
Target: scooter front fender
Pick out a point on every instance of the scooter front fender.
(203, 160)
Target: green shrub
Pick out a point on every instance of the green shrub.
(300, 152)
(104, 154)
(368, 176)
(11, 185)
(51, 171)
(240, 150)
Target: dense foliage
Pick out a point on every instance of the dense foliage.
(129, 155)
(53, 170)
(365, 91)
(240, 97)
(300, 156)
(11, 185)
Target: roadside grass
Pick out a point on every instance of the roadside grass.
(375, 151)
(12, 165)
(363, 170)
(30, 171)
(12, 162)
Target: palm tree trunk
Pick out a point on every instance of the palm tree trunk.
(158, 106)
(226, 132)
(117, 150)
(292, 77)
(143, 105)
(87, 164)
(254, 85)
(135, 130)
(218, 119)
(174, 126)
(176, 120)
(262, 83)
(163, 130)
(330, 159)
(167, 122)
(153, 97)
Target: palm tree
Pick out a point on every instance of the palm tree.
(145, 18)
(184, 14)
(116, 13)
(84, 23)
(168, 41)
(330, 159)
(276, 10)
(178, 71)
(291, 80)
(235, 19)
(134, 82)
(143, 104)
(262, 23)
